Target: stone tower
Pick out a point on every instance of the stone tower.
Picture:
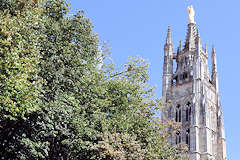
(192, 95)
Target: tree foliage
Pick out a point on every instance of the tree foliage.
(61, 99)
(19, 52)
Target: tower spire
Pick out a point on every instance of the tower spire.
(214, 60)
(167, 66)
(206, 49)
(191, 37)
(169, 36)
(214, 69)
(168, 47)
(192, 31)
(180, 45)
(198, 41)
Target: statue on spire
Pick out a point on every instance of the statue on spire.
(191, 14)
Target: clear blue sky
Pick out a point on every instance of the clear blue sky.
(139, 28)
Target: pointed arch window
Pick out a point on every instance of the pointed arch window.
(178, 117)
(178, 137)
(188, 112)
(188, 137)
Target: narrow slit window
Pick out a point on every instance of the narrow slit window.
(176, 118)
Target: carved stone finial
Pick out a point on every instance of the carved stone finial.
(191, 14)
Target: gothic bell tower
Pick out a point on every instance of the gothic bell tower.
(193, 95)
